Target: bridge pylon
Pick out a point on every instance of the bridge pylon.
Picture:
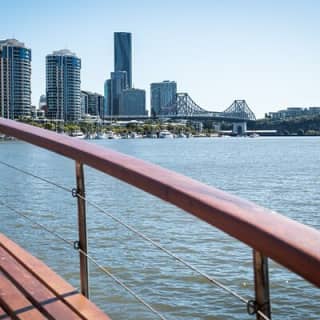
(239, 128)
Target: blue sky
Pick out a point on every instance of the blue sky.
(266, 52)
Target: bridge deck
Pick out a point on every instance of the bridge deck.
(31, 290)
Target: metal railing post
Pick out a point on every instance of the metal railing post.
(261, 284)
(84, 274)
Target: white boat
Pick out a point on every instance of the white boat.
(115, 136)
(181, 135)
(100, 135)
(165, 134)
(112, 135)
(135, 135)
(77, 134)
(90, 136)
(109, 134)
(254, 135)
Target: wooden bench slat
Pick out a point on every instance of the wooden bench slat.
(54, 282)
(40, 296)
(16, 303)
(4, 315)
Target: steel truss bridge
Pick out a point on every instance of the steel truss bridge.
(184, 107)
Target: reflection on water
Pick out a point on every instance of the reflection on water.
(279, 173)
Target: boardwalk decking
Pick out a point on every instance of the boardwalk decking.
(30, 290)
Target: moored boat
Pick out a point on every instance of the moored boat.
(165, 134)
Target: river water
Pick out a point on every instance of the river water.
(282, 174)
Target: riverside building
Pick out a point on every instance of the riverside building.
(294, 112)
(63, 85)
(132, 102)
(163, 94)
(123, 54)
(92, 103)
(107, 97)
(118, 84)
(15, 79)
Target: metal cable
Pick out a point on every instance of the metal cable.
(35, 222)
(102, 268)
(140, 234)
(168, 252)
(261, 314)
(35, 176)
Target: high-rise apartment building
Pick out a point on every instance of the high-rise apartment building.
(132, 102)
(92, 103)
(123, 54)
(100, 105)
(15, 79)
(42, 101)
(163, 94)
(84, 103)
(118, 84)
(107, 97)
(63, 85)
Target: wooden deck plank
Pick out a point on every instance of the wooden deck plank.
(40, 296)
(78, 303)
(16, 303)
(4, 315)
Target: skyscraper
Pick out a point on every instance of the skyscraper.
(63, 85)
(107, 97)
(132, 102)
(15, 79)
(84, 104)
(92, 103)
(123, 54)
(163, 94)
(118, 84)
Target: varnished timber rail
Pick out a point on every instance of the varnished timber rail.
(291, 244)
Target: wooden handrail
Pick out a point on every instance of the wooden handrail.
(291, 244)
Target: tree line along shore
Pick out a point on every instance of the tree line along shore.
(301, 126)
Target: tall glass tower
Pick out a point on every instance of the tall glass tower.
(123, 54)
(15, 79)
(119, 83)
(163, 94)
(107, 97)
(63, 85)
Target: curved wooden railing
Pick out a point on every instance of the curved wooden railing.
(291, 244)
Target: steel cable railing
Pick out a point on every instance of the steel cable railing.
(94, 261)
(248, 303)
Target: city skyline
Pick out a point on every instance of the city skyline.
(265, 53)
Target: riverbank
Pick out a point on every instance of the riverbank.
(299, 126)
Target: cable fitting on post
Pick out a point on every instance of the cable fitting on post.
(252, 307)
(74, 192)
(76, 245)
